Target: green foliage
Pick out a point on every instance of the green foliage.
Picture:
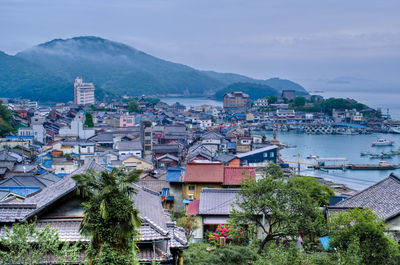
(89, 119)
(299, 102)
(287, 211)
(133, 106)
(189, 224)
(272, 99)
(341, 104)
(110, 217)
(24, 244)
(320, 194)
(198, 254)
(255, 91)
(233, 235)
(359, 238)
(5, 120)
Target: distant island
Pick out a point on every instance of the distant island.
(46, 73)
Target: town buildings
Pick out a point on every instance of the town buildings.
(83, 92)
(236, 99)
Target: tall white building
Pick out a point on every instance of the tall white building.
(83, 92)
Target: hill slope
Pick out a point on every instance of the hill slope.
(255, 91)
(46, 72)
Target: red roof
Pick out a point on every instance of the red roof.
(204, 172)
(193, 208)
(234, 175)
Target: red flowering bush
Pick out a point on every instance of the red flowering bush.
(232, 235)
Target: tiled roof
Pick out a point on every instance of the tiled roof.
(234, 175)
(216, 201)
(193, 207)
(128, 145)
(224, 158)
(382, 198)
(149, 233)
(178, 237)
(204, 172)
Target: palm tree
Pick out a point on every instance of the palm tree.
(110, 218)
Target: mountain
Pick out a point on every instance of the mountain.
(255, 91)
(46, 72)
(20, 78)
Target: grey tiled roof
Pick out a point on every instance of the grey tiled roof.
(48, 195)
(149, 233)
(128, 145)
(216, 201)
(178, 237)
(383, 198)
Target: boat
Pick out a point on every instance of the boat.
(365, 153)
(394, 129)
(382, 142)
(311, 157)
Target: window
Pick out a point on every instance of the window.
(147, 141)
(265, 154)
(147, 148)
(192, 187)
(147, 134)
(271, 154)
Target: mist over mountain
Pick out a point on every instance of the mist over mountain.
(46, 72)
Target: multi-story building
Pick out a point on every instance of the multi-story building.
(146, 138)
(126, 121)
(83, 92)
(236, 99)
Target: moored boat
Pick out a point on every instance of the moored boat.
(382, 142)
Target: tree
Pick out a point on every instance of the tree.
(359, 238)
(320, 194)
(189, 224)
(299, 102)
(272, 99)
(110, 219)
(133, 106)
(5, 120)
(274, 206)
(24, 244)
(89, 120)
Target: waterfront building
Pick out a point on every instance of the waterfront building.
(289, 94)
(261, 102)
(83, 92)
(236, 99)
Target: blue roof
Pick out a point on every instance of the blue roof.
(23, 191)
(173, 174)
(231, 144)
(47, 163)
(61, 175)
(19, 137)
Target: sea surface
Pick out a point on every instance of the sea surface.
(348, 146)
(335, 146)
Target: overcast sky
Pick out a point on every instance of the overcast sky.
(321, 44)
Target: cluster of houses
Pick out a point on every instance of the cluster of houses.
(192, 159)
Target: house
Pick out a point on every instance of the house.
(126, 121)
(243, 144)
(135, 162)
(200, 175)
(167, 161)
(63, 165)
(59, 207)
(233, 176)
(175, 177)
(129, 148)
(211, 209)
(76, 130)
(228, 160)
(259, 157)
(382, 198)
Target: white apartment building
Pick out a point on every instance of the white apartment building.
(83, 92)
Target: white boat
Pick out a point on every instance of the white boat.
(382, 142)
(394, 129)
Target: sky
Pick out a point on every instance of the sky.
(330, 45)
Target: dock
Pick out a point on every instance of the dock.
(358, 167)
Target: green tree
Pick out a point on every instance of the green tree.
(133, 106)
(89, 120)
(320, 194)
(24, 244)
(299, 102)
(5, 120)
(359, 238)
(189, 224)
(110, 218)
(274, 206)
(272, 99)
